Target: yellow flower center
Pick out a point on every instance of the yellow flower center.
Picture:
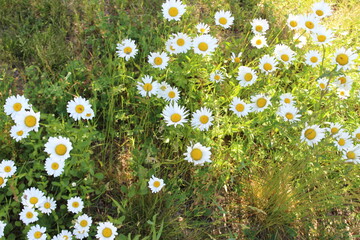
(171, 94)
(17, 107)
(222, 20)
(127, 50)
(79, 108)
(173, 11)
(350, 155)
(88, 115)
(163, 88)
(310, 134)
(156, 184)
(196, 154)
(342, 59)
(217, 77)
(267, 66)
(20, 133)
(147, 87)
(309, 24)
(319, 12)
(7, 169)
(158, 61)
(204, 119)
(60, 149)
(248, 77)
(289, 116)
(237, 60)
(180, 42)
(37, 235)
(107, 232)
(240, 107)
(83, 223)
(47, 205)
(75, 204)
(202, 30)
(258, 28)
(334, 130)
(358, 136)
(55, 166)
(1, 181)
(30, 121)
(175, 117)
(293, 23)
(322, 86)
(341, 142)
(313, 59)
(285, 57)
(172, 48)
(261, 102)
(342, 80)
(287, 100)
(29, 215)
(203, 46)
(258, 42)
(321, 38)
(34, 200)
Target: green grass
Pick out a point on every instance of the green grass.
(263, 183)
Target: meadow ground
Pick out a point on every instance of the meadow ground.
(263, 181)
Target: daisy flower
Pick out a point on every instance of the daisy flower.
(267, 64)
(181, 42)
(64, 235)
(83, 222)
(202, 119)
(169, 46)
(7, 168)
(173, 9)
(312, 135)
(162, 87)
(239, 107)
(284, 54)
(172, 94)
(126, 49)
(58, 147)
(32, 197)
(260, 102)
(344, 58)
(299, 40)
(48, 205)
(289, 113)
(321, 9)
(310, 22)
(89, 114)
(78, 107)
(287, 99)
(313, 58)
(343, 140)
(322, 36)
(204, 44)
(246, 76)
(203, 28)
(224, 18)
(2, 227)
(18, 133)
(174, 114)
(236, 58)
(158, 60)
(343, 93)
(3, 180)
(323, 83)
(147, 87)
(15, 104)
(54, 167)
(217, 76)
(28, 215)
(156, 184)
(334, 128)
(198, 154)
(28, 120)
(80, 234)
(75, 205)
(352, 154)
(293, 21)
(36, 233)
(259, 26)
(258, 41)
(356, 134)
(106, 231)
(344, 82)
